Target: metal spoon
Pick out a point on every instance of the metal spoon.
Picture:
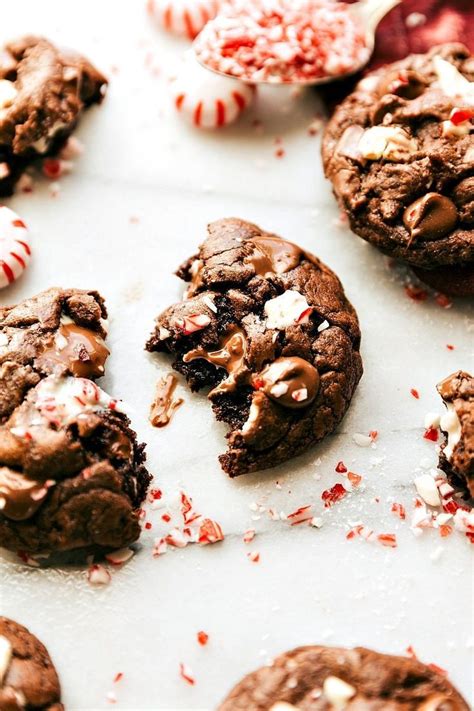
(368, 14)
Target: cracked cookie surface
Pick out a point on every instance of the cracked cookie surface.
(268, 328)
(321, 678)
(400, 154)
(59, 331)
(28, 679)
(43, 91)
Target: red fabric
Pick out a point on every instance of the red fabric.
(446, 21)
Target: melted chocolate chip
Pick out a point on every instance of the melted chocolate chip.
(230, 356)
(405, 83)
(79, 349)
(292, 382)
(273, 255)
(20, 497)
(164, 405)
(430, 217)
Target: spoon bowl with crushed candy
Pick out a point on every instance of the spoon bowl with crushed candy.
(307, 42)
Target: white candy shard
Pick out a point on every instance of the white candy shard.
(427, 489)
(15, 251)
(62, 399)
(183, 17)
(432, 420)
(208, 100)
(452, 82)
(8, 93)
(451, 424)
(285, 310)
(389, 142)
(338, 692)
(362, 440)
(5, 657)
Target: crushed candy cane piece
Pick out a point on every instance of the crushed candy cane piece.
(341, 468)
(191, 324)
(120, 556)
(427, 489)
(431, 434)
(354, 478)
(253, 556)
(332, 495)
(186, 674)
(210, 532)
(249, 535)
(202, 638)
(399, 510)
(387, 539)
(98, 575)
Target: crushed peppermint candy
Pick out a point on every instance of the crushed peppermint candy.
(253, 556)
(333, 495)
(194, 529)
(286, 310)
(192, 323)
(249, 535)
(186, 674)
(202, 638)
(283, 41)
(98, 575)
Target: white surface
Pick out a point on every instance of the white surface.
(310, 586)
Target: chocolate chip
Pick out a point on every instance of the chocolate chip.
(430, 217)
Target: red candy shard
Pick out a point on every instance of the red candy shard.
(459, 116)
(399, 510)
(341, 468)
(415, 393)
(210, 532)
(193, 323)
(332, 495)
(416, 293)
(202, 638)
(354, 478)
(387, 539)
(186, 674)
(431, 434)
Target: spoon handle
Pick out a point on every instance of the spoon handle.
(371, 12)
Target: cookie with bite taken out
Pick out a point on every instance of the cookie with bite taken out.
(268, 329)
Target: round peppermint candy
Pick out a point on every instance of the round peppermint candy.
(15, 252)
(206, 99)
(183, 17)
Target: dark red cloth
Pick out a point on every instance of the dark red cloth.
(446, 21)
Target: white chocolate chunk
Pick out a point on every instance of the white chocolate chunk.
(285, 310)
(452, 82)
(5, 657)
(451, 424)
(283, 706)
(389, 142)
(8, 93)
(338, 692)
(432, 420)
(427, 489)
(64, 398)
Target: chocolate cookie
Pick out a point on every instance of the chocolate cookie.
(457, 453)
(28, 679)
(323, 678)
(71, 472)
(400, 154)
(43, 91)
(59, 331)
(267, 326)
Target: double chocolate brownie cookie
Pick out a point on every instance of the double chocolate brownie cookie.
(457, 453)
(28, 679)
(72, 476)
(400, 154)
(267, 326)
(324, 678)
(60, 331)
(43, 91)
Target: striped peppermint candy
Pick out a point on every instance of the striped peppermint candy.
(183, 17)
(15, 252)
(206, 99)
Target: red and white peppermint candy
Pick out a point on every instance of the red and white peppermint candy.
(15, 252)
(183, 17)
(206, 99)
